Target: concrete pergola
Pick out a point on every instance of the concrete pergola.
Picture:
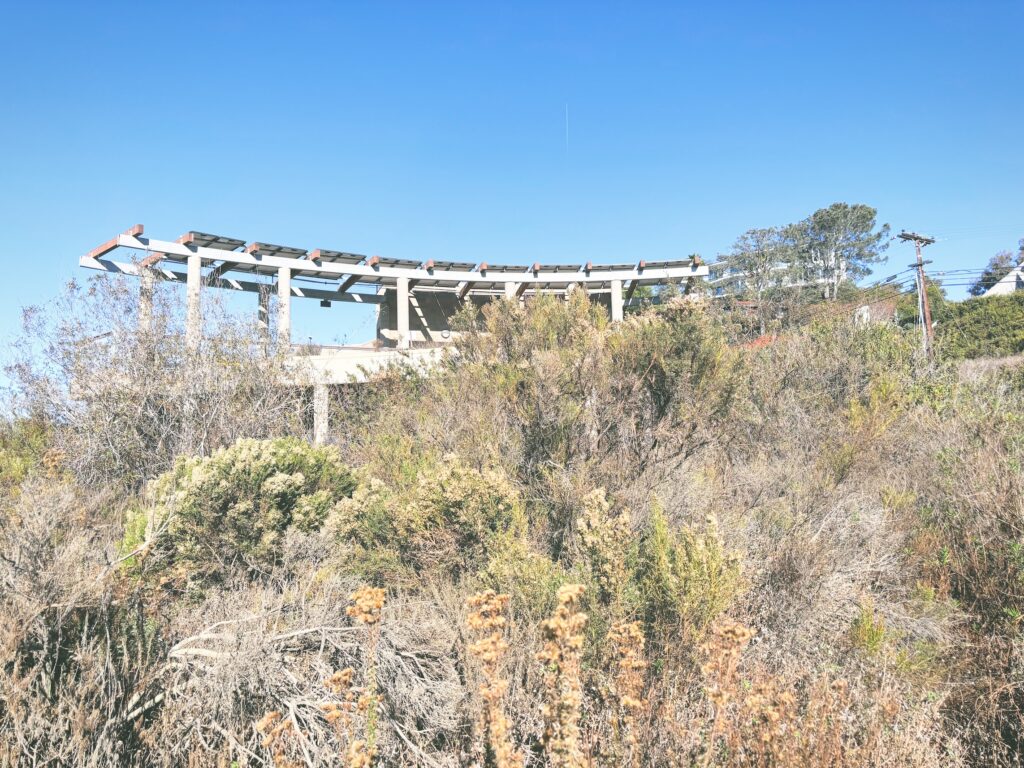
(201, 260)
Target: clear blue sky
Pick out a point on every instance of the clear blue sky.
(438, 130)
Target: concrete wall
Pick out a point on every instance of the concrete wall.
(430, 314)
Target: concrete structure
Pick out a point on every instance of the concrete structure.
(416, 300)
(1012, 282)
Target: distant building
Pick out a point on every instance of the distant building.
(1011, 283)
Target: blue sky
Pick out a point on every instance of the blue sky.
(438, 130)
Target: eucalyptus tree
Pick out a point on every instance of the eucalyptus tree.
(838, 243)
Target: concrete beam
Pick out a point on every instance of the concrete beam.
(374, 269)
(228, 283)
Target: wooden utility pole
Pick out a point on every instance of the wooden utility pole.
(922, 289)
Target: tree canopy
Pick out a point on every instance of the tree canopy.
(838, 243)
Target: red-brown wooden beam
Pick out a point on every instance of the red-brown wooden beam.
(110, 245)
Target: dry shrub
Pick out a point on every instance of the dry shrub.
(75, 647)
(124, 405)
(876, 502)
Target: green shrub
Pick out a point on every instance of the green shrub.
(991, 326)
(683, 578)
(868, 630)
(23, 446)
(234, 507)
(531, 579)
(445, 522)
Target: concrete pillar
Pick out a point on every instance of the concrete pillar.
(402, 311)
(616, 301)
(510, 290)
(147, 281)
(321, 414)
(284, 308)
(263, 314)
(194, 311)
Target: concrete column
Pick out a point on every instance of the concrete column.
(321, 414)
(194, 312)
(402, 311)
(147, 281)
(284, 308)
(510, 290)
(263, 314)
(616, 301)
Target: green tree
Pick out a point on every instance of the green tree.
(760, 261)
(998, 267)
(838, 243)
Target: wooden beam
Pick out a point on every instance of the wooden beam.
(111, 244)
(153, 258)
(373, 261)
(462, 290)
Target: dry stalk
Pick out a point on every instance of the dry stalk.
(563, 646)
(723, 649)
(627, 641)
(487, 620)
(367, 604)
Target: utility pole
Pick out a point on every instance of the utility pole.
(922, 293)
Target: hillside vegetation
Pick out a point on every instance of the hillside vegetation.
(574, 544)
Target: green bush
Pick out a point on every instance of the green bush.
(444, 522)
(23, 446)
(683, 578)
(234, 507)
(991, 326)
